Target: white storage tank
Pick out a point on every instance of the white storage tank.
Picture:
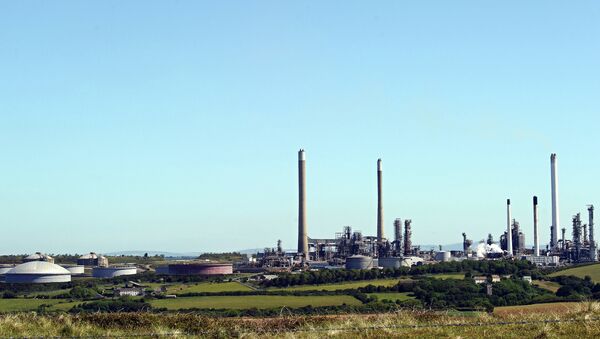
(37, 272)
(359, 262)
(5, 268)
(391, 262)
(113, 271)
(443, 256)
(75, 269)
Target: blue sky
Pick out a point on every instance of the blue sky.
(175, 125)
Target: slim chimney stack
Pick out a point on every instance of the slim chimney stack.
(302, 234)
(380, 234)
(555, 214)
(536, 243)
(508, 230)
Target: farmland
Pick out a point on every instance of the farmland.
(340, 286)
(391, 296)
(448, 276)
(581, 271)
(547, 285)
(253, 301)
(207, 288)
(21, 304)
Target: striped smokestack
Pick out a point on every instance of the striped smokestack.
(302, 234)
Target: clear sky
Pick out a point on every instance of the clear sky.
(174, 125)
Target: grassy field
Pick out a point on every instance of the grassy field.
(341, 286)
(207, 287)
(20, 304)
(560, 307)
(592, 270)
(254, 301)
(548, 285)
(580, 322)
(391, 296)
(459, 276)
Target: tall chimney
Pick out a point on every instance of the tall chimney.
(508, 230)
(398, 235)
(302, 234)
(536, 242)
(593, 251)
(380, 234)
(555, 215)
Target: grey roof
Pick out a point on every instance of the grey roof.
(38, 256)
(38, 267)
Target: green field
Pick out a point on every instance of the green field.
(547, 285)
(21, 304)
(207, 288)
(253, 301)
(592, 270)
(340, 286)
(392, 296)
(459, 276)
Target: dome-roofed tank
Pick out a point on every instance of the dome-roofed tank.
(39, 256)
(359, 262)
(38, 272)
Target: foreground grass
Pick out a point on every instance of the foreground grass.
(207, 287)
(340, 286)
(254, 301)
(579, 321)
(592, 270)
(559, 307)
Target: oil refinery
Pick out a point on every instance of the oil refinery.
(353, 249)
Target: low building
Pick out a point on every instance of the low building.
(495, 278)
(527, 278)
(542, 260)
(480, 279)
(129, 291)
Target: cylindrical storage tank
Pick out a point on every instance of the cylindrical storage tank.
(5, 268)
(391, 262)
(162, 270)
(37, 272)
(359, 262)
(75, 269)
(442, 256)
(113, 271)
(201, 268)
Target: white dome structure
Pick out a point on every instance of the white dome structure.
(38, 272)
(5, 268)
(39, 256)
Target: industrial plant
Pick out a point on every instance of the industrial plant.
(354, 250)
(351, 248)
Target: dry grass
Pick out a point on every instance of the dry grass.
(579, 322)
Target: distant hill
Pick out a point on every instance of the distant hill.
(153, 253)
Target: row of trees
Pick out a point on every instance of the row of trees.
(471, 267)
